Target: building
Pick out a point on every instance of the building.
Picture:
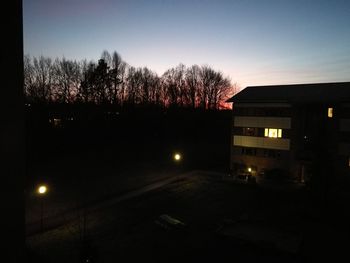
(291, 131)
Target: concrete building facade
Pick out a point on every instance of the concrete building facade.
(291, 131)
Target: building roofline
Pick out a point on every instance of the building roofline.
(308, 92)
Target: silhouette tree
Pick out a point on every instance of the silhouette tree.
(134, 80)
(41, 79)
(174, 86)
(67, 79)
(111, 81)
(214, 87)
(29, 80)
(192, 79)
(117, 75)
(100, 82)
(86, 92)
(158, 92)
(149, 87)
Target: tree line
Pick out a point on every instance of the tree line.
(112, 81)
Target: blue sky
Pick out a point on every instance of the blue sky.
(253, 42)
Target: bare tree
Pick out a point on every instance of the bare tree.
(206, 76)
(112, 77)
(117, 75)
(30, 89)
(43, 76)
(168, 82)
(121, 80)
(174, 84)
(134, 80)
(214, 88)
(101, 82)
(67, 78)
(181, 83)
(222, 92)
(155, 91)
(192, 85)
(107, 58)
(112, 81)
(149, 82)
(86, 89)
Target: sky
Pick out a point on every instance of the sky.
(261, 42)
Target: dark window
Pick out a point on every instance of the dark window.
(262, 111)
(272, 153)
(266, 153)
(250, 131)
(248, 151)
(260, 132)
(278, 154)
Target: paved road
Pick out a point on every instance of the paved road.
(68, 216)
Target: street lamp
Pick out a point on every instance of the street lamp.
(177, 157)
(42, 190)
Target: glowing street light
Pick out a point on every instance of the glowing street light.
(177, 157)
(42, 190)
(249, 169)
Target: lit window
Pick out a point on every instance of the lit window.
(279, 134)
(330, 112)
(57, 122)
(273, 133)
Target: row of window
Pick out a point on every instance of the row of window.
(271, 112)
(270, 153)
(260, 132)
(247, 111)
(273, 133)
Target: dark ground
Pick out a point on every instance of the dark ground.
(128, 231)
(110, 158)
(117, 153)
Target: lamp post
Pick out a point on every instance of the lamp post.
(42, 190)
(177, 160)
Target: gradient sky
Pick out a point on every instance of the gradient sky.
(257, 42)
